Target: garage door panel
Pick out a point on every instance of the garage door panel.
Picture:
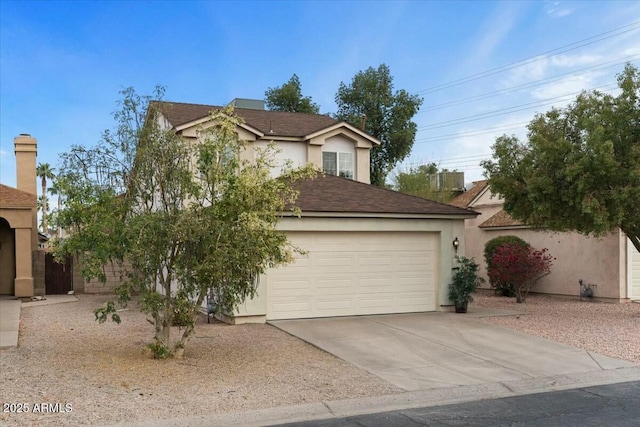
(333, 304)
(635, 272)
(412, 304)
(333, 260)
(355, 273)
(368, 303)
(333, 287)
(411, 258)
(293, 307)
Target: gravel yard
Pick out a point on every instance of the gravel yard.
(64, 356)
(606, 328)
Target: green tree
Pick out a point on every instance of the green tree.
(386, 115)
(54, 190)
(44, 171)
(183, 220)
(288, 97)
(580, 168)
(421, 181)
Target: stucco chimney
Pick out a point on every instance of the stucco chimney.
(26, 151)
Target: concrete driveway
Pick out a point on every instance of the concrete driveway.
(425, 351)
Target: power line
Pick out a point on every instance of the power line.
(514, 109)
(536, 58)
(455, 159)
(529, 85)
(511, 126)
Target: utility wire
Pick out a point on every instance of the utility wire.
(514, 109)
(536, 58)
(529, 85)
(511, 126)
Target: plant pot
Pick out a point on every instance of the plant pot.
(461, 307)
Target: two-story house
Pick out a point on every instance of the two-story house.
(370, 250)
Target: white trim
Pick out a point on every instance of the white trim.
(378, 215)
(630, 249)
(346, 125)
(505, 227)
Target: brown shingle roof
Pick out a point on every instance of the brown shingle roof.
(281, 123)
(501, 219)
(340, 195)
(463, 200)
(13, 198)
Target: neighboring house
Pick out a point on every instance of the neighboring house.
(370, 250)
(611, 263)
(19, 253)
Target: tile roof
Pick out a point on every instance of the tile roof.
(13, 198)
(463, 200)
(276, 123)
(501, 219)
(340, 195)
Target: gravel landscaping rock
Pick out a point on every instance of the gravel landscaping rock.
(101, 371)
(611, 329)
(102, 374)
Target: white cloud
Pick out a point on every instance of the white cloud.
(494, 31)
(557, 10)
(535, 69)
(568, 61)
(568, 86)
(3, 153)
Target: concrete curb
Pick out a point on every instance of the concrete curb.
(395, 402)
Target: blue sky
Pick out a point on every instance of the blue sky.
(63, 63)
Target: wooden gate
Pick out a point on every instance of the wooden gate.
(58, 277)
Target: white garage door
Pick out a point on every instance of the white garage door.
(635, 272)
(353, 273)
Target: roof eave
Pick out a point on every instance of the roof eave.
(322, 214)
(503, 227)
(374, 140)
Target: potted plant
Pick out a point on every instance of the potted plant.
(465, 282)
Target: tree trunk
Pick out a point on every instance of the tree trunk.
(44, 206)
(520, 297)
(189, 330)
(633, 236)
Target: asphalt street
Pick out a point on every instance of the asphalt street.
(614, 405)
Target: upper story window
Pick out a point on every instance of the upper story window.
(340, 164)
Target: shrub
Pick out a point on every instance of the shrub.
(520, 266)
(501, 288)
(465, 281)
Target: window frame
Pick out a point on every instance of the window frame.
(343, 164)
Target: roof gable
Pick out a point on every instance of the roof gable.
(13, 198)
(332, 194)
(501, 219)
(467, 198)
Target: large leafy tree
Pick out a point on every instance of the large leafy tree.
(386, 114)
(183, 220)
(579, 169)
(288, 97)
(421, 181)
(44, 171)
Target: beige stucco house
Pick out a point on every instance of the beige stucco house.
(370, 250)
(610, 263)
(18, 225)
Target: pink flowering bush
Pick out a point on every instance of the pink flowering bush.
(520, 266)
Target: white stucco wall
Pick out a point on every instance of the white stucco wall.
(339, 144)
(296, 152)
